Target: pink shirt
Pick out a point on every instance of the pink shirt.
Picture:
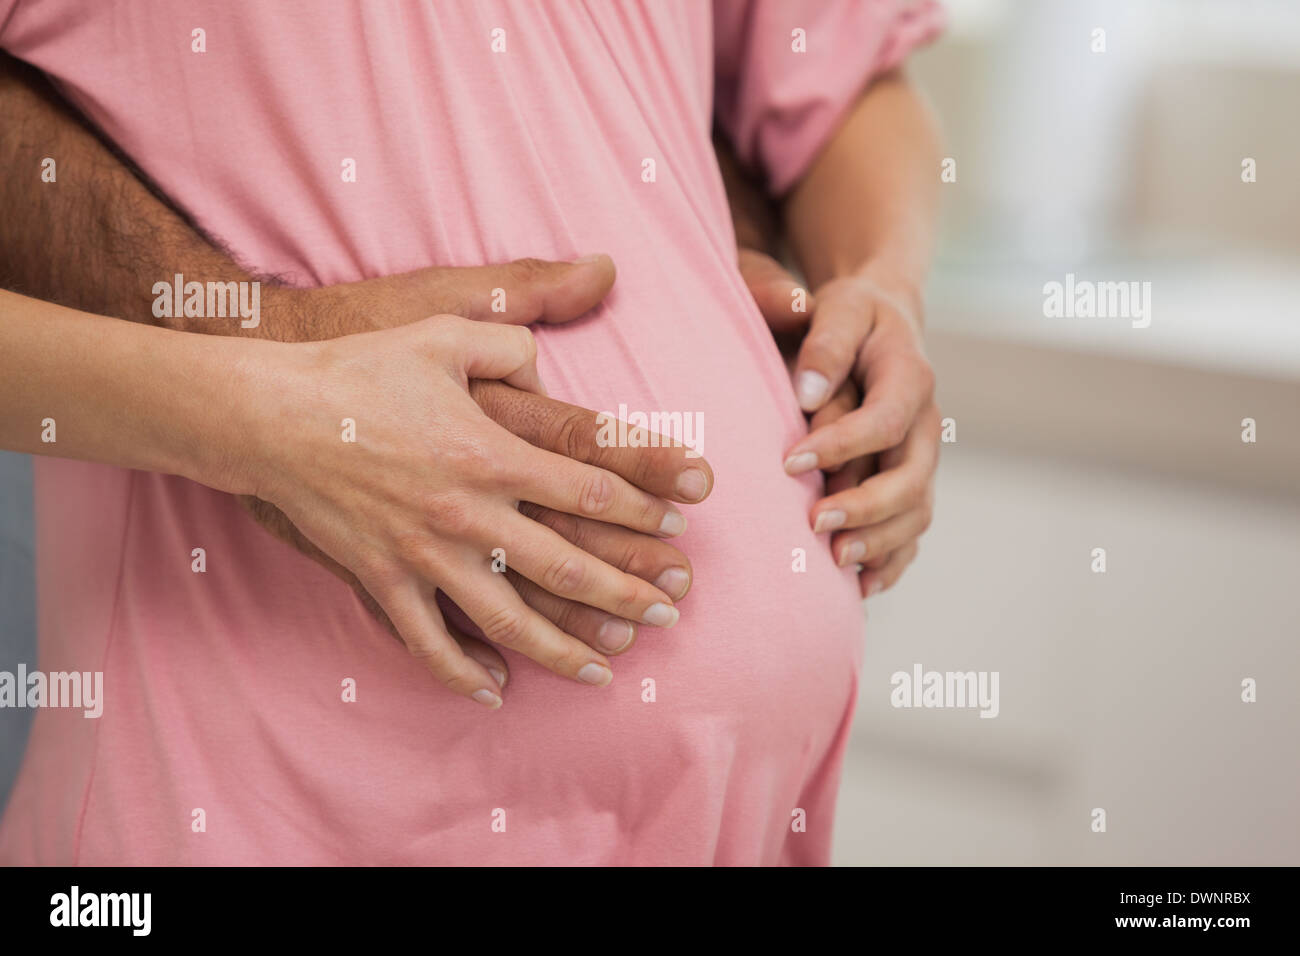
(223, 690)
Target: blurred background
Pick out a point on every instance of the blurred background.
(1119, 690)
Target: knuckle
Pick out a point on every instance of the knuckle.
(566, 616)
(571, 436)
(451, 300)
(411, 548)
(892, 423)
(528, 269)
(634, 556)
(628, 602)
(645, 467)
(649, 513)
(567, 526)
(378, 576)
(452, 515)
(429, 653)
(566, 661)
(565, 576)
(505, 626)
(595, 492)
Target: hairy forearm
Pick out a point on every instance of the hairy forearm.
(97, 237)
(868, 203)
(104, 236)
(119, 393)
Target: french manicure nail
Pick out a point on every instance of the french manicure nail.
(596, 257)
(853, 553)
(487, 699)
(614, 635)
(798, 464)
(692, 484)
(661, 615)
(829, 521)
(595, 674)
(498, 676)
(674, 582)
(811, 389)
(674, 523)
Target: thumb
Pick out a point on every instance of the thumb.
(523, 291)
(483, 350)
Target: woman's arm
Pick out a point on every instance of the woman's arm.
(861, 223)
(867, 205)
(99, 389)
(373, 447)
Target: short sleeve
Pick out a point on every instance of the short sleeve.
(785, 73)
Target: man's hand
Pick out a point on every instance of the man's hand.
(115, 236)
(570, 431)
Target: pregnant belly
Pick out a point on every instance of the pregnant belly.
(230, 688)
(770, 634)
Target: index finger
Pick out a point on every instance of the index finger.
(658, 466)
(898, 387)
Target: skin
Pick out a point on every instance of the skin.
(99, 240)
(860, 224)
(430, 487)
(115, 232)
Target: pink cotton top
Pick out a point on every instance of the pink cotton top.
(223, 690)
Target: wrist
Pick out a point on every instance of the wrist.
(900, 286)
(243, 447)
(313, 315)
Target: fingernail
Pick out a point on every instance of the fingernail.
(595, 674)
(487, 699)
(853, 553)
(829, 521)
(692, 484)
(498, 676)
(586, 259)
(661, 615)
(811, 389)
(798, 464)
(875, 588)
(674, 523)
(674, 582)
(614, 635)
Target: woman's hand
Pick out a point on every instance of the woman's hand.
(662, 469)
(860, 372)
(425, 498)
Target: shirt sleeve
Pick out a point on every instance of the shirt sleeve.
(777, 104)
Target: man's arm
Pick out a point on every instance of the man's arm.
(104, 236)
(99, 236)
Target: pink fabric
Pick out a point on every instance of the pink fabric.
(223, 689)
